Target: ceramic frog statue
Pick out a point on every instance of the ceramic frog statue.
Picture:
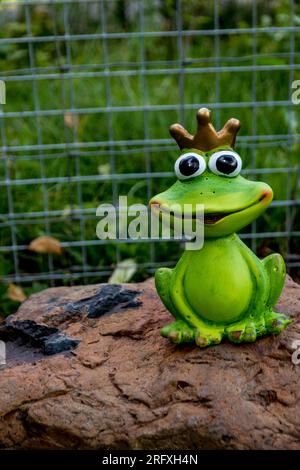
(223, 289)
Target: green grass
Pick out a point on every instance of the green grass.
(163, 89)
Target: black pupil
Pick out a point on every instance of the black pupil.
(188, 166)
(226, 164)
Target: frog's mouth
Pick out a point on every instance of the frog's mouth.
(214, 217)
(211, 219)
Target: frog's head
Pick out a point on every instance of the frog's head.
(208, 172)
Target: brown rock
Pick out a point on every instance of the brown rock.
(125, 387)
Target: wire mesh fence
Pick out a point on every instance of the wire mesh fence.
(92, 87)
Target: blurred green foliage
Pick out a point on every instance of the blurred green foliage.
(162, 89)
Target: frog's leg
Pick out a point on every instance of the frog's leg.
(178, 331)
(205, 334)
(252, 324)
(275, 268)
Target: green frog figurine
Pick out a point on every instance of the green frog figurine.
(221, 290)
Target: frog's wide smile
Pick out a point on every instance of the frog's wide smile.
(212, 218)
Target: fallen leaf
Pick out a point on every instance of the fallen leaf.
(45, 244)
(71, 120)
(68, 210)
(123, 272)
(104, 169)
(15, 293)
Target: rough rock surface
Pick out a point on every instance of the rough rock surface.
(116, 384)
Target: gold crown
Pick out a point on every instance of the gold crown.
(206, 137)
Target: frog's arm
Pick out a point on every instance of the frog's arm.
(205, 333)
(275, 268)
(163, 278)
(178, 331)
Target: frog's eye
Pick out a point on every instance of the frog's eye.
(225, 163)
(189, 165)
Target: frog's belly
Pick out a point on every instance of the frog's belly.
(218, 286)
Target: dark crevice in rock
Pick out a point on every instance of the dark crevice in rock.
(57, 343)
(27, 329)
(48, 339)
(132, 304)
(228, 438)
(109, 299)
(268, 396)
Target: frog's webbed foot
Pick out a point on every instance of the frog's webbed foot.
(181, 332)
(243, 332)
(178, 332)
(276, 322)
(246, 331)
(209, 336)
